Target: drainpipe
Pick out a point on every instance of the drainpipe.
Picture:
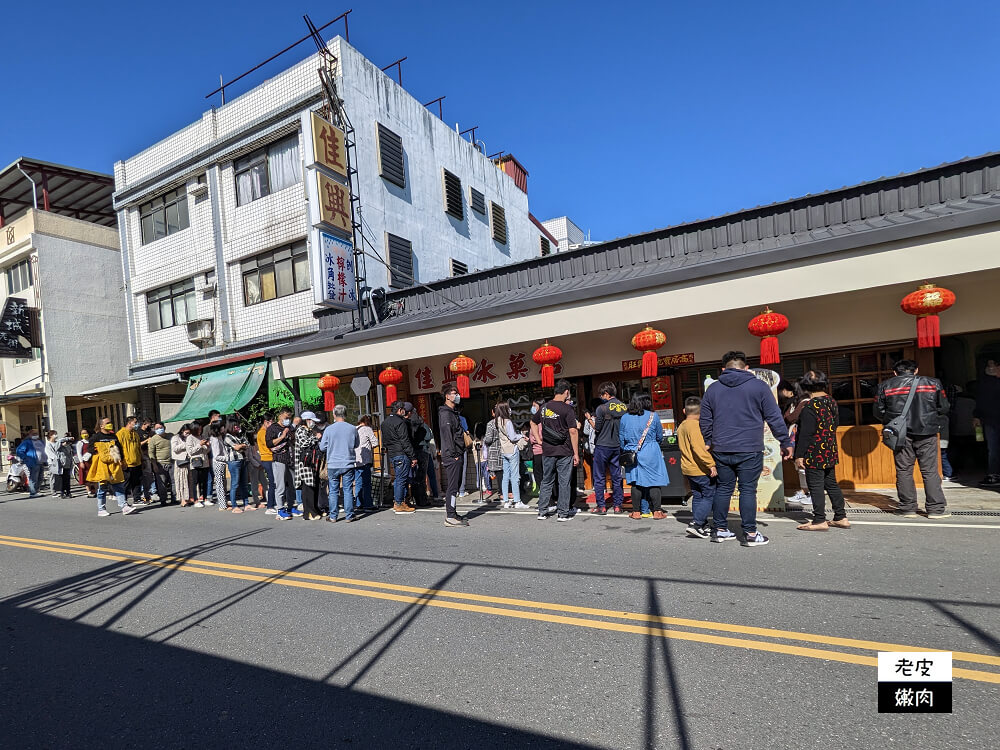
(34, 186)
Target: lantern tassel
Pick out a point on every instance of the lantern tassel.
(329, 400)
(390, 394)
(769, 351)
(649, 364)
(928, 331)
(548, 376)
(463, 386)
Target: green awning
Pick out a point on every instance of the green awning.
(225, 389)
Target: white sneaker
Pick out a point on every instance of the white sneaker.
(210, 502)
(199, 504)
(801, 497)
(271, 512)
(128, 509)
(154, 498)
(103, 512)
(508, 506)
(521, 506)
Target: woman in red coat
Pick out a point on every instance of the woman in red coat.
(83, 457)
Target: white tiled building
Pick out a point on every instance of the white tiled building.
(214, 223)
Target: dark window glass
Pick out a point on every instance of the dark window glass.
(276, 273)
(164, 215)
(171, 305)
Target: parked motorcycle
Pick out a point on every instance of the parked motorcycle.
(17, 475)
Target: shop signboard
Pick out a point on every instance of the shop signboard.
(668, 360)
(333, 272)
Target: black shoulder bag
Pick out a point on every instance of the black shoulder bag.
(630, 459)
(894, 432)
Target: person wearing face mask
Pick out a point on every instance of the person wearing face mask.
(31, 451)
(160, 462)
(180, 459)
(52, 461)
(235, 447)
(106, 468)
(131, 445)
(397, 446)
(452, 453)
(306, 470)
(987, 416)
(83, 458)
(279, 438)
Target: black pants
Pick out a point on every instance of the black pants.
(453, 475)
(161, 478)
(310, 508)
(922, 449)
(62, 482)
(653, 496)
(537, 469)
(418, 479)
(818, 481)
(196, 483)
(133, 483)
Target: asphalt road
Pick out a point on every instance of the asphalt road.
(190, 628)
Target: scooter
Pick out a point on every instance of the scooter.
(17, 475)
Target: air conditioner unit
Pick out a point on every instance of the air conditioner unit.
(201, 333)
(197, 189)
(209, 292)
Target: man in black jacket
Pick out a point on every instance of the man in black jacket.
(419, 435)
(397, 446)
(923, 423)
(452, 453)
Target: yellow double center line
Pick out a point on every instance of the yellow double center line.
(482, 603)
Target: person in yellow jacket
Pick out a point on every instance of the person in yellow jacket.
(698, 467)
(106, 468)
(131, 446)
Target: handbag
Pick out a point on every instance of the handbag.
(630, 459)
(467, 439)
(894, 431)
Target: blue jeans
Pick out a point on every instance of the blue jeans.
(512, 475)
(269, 470)
(606, 463)
(363, 486)
(210, 484)
(991, 432)
(237, 488)
(400, 465)
(34, 477)
(743, 469)
(946, 468)
(117, 489)
(336, 475)
(703, 498)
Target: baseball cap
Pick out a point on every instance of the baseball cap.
(310, 416)
(407, 406)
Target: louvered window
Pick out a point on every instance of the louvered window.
(546, 246)
(400, 253)
(499, 222)
(477, 201)
(453, 204)
(458, 268)
(390, 156)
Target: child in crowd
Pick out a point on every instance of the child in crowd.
(698, 466)
(816, 452)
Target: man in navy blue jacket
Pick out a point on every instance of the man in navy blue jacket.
(733, 413)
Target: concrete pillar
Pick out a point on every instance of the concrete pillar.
(56, 413)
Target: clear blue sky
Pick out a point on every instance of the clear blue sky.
(628, 116)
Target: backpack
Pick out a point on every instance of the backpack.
(311, 457)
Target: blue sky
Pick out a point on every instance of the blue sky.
(628, 116)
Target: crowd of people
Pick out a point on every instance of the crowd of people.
(298, 466)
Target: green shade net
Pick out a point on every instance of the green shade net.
(225, 390)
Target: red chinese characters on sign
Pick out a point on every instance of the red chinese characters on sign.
(425, 379)
(670, 360)
(484, 373)
(449, 376)
(517, 368)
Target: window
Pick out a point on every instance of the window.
(458, 268)
(390, 156)
(400, 253)
(164, 215)
(269, 170)
(277, 273)
(36, 352)
(546, 246)
(453, 204)
(477, 201)
(499, 221)
(19, 276)
(171, 305)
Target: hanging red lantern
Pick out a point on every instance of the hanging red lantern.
(462, 366)
(547, 356)
(329, 384)
(767, 326)
(926, 303)
(648, 340)
(390, 377)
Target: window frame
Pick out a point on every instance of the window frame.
(261, 158)
(296, 255)
(22, 269)
(178, 292)
(160, 207)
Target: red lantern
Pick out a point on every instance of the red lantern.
(648, 340)
(389, 377)
(329, 384)
(767, 326)
(926, 303)
(462, 366)
(547, 356)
